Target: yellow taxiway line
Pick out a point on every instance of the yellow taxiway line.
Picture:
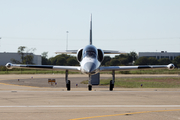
(20, 85)
(124, 114)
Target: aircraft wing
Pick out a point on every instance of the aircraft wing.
(113, 52)
(67, 52)
(72, 68)
(127, 68)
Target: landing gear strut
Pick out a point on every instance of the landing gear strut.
(89, 86)
(68, 82)
(111, 86)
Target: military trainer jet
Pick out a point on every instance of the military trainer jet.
(90, 59)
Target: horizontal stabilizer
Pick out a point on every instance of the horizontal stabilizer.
(75, 52)
(67, 52)
(113, 52)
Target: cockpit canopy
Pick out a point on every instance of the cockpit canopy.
(90, 51)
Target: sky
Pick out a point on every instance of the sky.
(123, 25)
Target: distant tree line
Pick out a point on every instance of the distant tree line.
(68, 60)
(123, 59)
(62, 59)
(26, 55)
(154, 61)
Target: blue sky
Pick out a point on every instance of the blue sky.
(124, 25)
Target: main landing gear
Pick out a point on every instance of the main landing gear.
(68, 82)
(111, 86)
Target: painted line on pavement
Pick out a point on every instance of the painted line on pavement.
(93, 106)
(124, 114)
(21, 85)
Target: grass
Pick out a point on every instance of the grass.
(3, 70)
(160, 82)
(36, 72)
(150, 71)
(155, 82)
(156, 71)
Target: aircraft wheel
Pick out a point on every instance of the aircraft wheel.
(68, 85)
(90, 87)
(111, 86)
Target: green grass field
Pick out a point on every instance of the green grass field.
(33, 71)
(158, 82)
(155, 82)
(150, 71)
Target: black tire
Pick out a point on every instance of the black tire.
(68, 85)
(89, 87)
(111, 86)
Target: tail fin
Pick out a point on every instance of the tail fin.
(91, 31)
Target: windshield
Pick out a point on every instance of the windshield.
(90, 51)
(90, 54)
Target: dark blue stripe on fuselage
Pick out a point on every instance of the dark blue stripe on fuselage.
(38, 66)
(144, 67)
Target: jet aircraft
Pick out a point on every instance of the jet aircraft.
(90, 59)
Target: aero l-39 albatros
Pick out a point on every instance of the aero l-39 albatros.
(90, 59)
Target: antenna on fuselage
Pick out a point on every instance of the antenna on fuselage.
(91, 31)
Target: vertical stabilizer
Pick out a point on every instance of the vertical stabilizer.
(91, 31)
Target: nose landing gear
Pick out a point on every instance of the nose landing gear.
(90, 86)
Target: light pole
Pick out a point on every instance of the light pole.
(156, 54)
(0, 41)
(67, 40)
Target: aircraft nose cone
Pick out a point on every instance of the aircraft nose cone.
(89, 67)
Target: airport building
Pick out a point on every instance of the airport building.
(7, 57)
(159, 55)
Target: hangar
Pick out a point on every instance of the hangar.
(159, 55)
(6, 57)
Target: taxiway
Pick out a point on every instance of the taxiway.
(33, 99)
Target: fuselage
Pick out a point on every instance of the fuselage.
(90, 63)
